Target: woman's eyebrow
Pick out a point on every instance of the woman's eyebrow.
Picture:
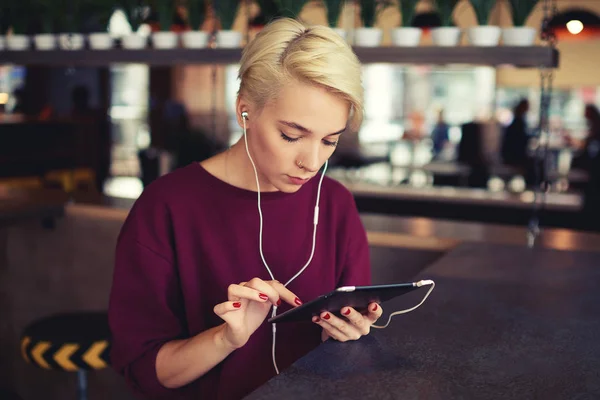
(306, 130)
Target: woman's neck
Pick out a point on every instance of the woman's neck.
(238, 170)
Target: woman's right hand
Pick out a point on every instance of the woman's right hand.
(247, 307)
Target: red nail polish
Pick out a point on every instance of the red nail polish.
(326, 317)
(375, 307)
(347, 312)
(263, 296)
(297, 301)
(278, 302)
(237, 304)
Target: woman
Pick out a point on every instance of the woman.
(192, 284)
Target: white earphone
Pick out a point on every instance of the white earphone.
(244, 116)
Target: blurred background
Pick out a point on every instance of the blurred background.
(148, 119)
(448, 151)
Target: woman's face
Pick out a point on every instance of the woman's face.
(302, 125)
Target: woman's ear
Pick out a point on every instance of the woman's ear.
(241, 106)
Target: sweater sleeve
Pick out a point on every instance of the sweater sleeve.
(356, 267)
(145, 308)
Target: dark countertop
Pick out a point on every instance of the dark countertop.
(504, 322)
(571, 202)
(443, 234)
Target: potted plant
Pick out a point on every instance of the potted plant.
(407, 35)
(4, 25)
(519, 34)
(333, 11)
(134, 10)
(18, 19)
(291, 8)
(269, 10)
(165, 38)
(69, 12)
(484, 34)
(195, 38)
(447, 34)
(102, 10)
(368, 35)
(46, 38)
(226, 11)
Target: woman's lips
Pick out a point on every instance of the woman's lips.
(298, 181)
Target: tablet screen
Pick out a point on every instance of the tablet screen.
(358, 297)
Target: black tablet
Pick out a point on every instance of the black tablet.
(357, 297)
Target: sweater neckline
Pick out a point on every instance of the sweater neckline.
(245, 193)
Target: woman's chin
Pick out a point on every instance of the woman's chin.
(284, 184)
(288, 188)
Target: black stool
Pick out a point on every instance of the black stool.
(76, 342)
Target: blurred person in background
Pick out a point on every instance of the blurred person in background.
(471, 153)
(587, 148)
(439, 135)
(516, 138)
(588, 159)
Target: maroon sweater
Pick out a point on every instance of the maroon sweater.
(188, 237)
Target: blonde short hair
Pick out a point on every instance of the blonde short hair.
(286, 49)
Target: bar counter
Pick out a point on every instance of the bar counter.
(504, 322)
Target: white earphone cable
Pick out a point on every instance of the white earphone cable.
(260, 234)
(420, 283)
(315, 223)
(259, 208)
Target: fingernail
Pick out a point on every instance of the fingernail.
(375, 307)
(347, 312)
(237, 304)
(278, 302)
(263, 296)
(316, 319)
(297, 301)
(326, 317)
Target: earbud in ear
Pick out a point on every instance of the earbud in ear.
(244, 115)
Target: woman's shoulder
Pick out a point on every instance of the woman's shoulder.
(335, 186)
(173, 186)
(339, 194)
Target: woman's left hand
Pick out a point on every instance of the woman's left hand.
(353, 326)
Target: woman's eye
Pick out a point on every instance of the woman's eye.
(292, 140)
(288, 139)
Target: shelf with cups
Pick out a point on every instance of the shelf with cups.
(523, 57)
(99, 58)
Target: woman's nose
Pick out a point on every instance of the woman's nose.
(311, 159)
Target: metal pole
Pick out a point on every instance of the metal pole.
(543, 129)
(81, 384)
